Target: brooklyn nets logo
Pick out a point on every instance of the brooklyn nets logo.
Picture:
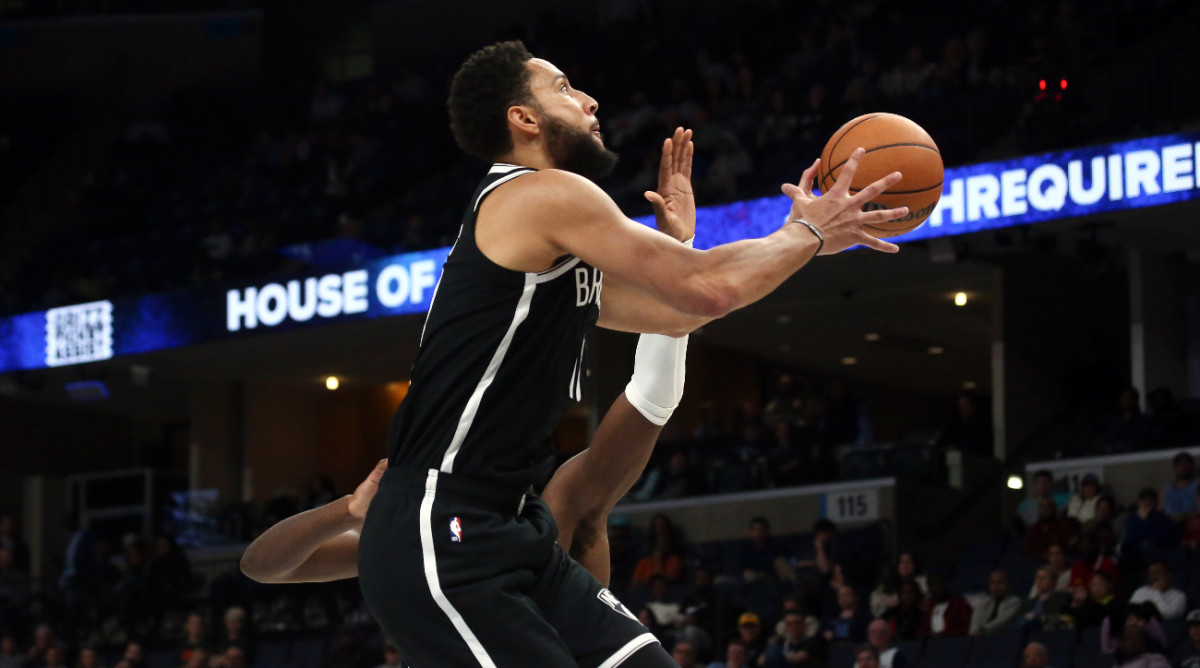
(611, 601)
(79, 333)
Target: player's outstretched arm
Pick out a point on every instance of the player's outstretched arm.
(316, 545)
(571, 215)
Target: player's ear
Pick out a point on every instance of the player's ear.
(523, 119)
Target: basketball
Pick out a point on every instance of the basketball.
(893, 143)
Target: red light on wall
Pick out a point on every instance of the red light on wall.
(1062, 84)
(1042, 84)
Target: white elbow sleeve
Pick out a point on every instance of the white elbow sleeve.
(658, 374)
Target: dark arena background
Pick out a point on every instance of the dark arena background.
(223, 220)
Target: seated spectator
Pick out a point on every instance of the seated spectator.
(735, 656)
(1091, 561)
(43, 639)
(814, 559)
(1049, 529)
(887, 595)
(89, 658)
(1045, 606)
(661, 525)
(624, 549)
(1082, 506)
(194, 637)
(944, 614)
(1137, 650)
(997, 612)
(349, 651)
(1142, 615)
(907, 616)
(660, 561)
(1060, 571)
(879, 637)
(1148, 526)
(794, 602)
(1179, 495)
(705, 609)
(56, 657)
(758, 554)
(1169, 426)
(10, 538)
(1128, 429)
(10, 654)
(1042, 487)
(969, 429)
(1189, 530)
(1035, 656)
(1188, 654)
(754, 641)
(666, 612)
(849, 625)
(866, 656)
(237, 633)
(134, 656)
(795, 647)
(199, 658)
(1089, 608)
(684, 654)
(1108, 513)
(1170, 602)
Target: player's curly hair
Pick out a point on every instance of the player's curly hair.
(488, 83)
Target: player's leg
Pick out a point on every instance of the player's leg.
(584, 490)
(449, 577)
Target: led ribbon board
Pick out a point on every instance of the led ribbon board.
(1129, 175)
(396, 285)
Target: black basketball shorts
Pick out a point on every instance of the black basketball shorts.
(463, 574)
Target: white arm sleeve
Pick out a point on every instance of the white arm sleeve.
(658, 375)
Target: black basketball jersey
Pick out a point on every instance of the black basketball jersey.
(501, 360)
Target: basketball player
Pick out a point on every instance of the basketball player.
(456, 561)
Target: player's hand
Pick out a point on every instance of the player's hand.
(838, 213)
(360, 500)
(674, 203)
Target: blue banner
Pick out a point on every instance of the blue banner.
(1141, 173)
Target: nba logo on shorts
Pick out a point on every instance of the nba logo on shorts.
(455, 530)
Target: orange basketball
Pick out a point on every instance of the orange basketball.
(893, 143)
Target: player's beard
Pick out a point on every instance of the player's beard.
(577, 151)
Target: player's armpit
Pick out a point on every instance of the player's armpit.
(625, 308)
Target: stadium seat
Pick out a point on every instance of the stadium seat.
(912, 650)
(271, 654)
(308, 652)
(1000, 650)
(946, 653)
(841, 655)
(1060, 645)
(1097, 661)
(161, 658)
(1088, 645)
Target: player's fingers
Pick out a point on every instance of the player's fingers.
(792, 190)
(656, 201)
(664, 164)
(806, 179)
(879, 244)
(686, 170)
(874, 190)
(842, 186)
(880, 216)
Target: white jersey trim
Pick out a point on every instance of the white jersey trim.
(630, 648)
(431, 575)
(553, 272)
(472, 407)
(512, 174)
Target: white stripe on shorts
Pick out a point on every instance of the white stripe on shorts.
(631, 647)
(431, 575)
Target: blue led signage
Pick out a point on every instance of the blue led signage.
(1135, 174)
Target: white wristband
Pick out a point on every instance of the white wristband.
(658, 374)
